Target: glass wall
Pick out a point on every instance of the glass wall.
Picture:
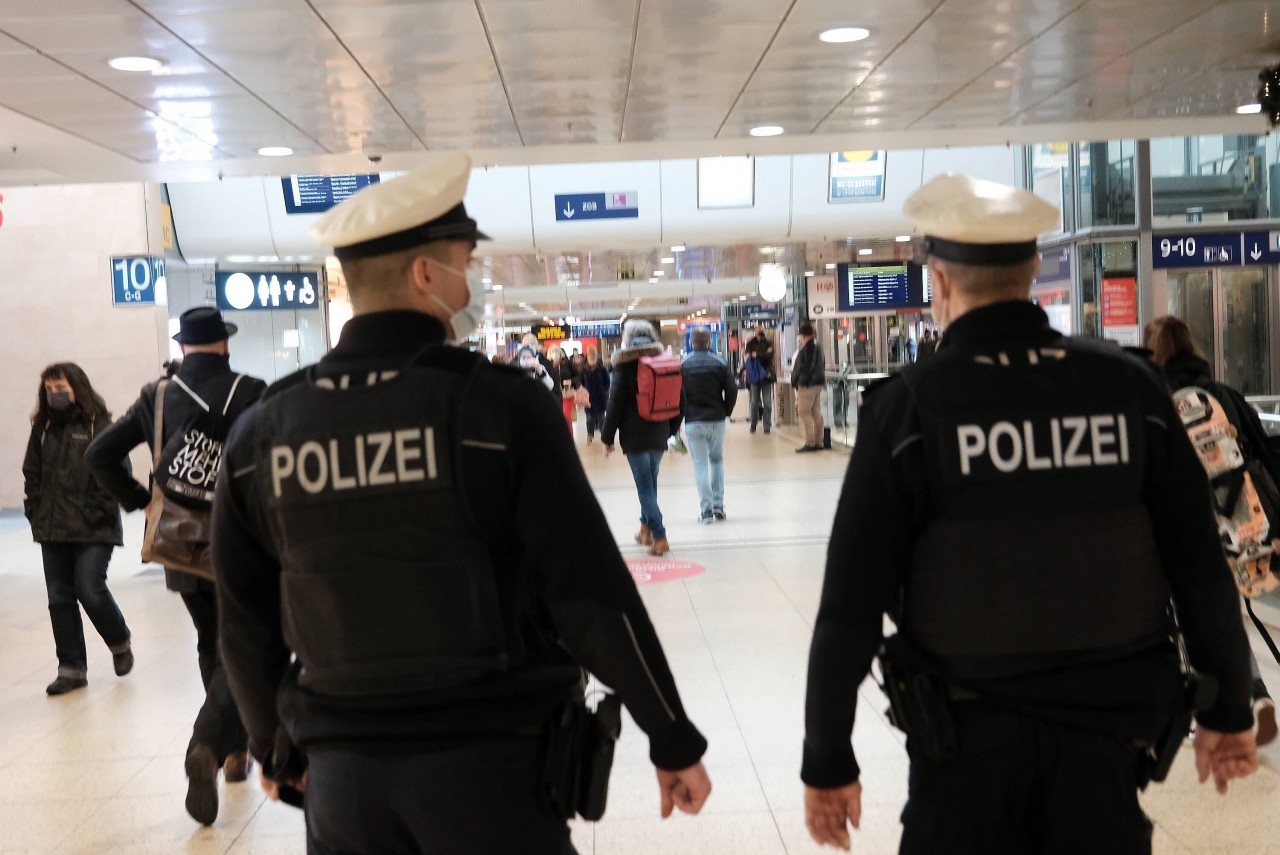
(1104, 183)
(1105, 271)
(1214, 179)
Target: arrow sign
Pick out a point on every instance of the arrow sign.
(597, 206)
(1263, 247)
(1255, 253)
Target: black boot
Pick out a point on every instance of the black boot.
(64, 684)
(123, 661)
(202, 784)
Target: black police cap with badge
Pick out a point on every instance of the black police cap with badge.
(420, 207)
(973, 221)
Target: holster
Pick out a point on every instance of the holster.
(578, 756)
(1157, 758)
(919, 703)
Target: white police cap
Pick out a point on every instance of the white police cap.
(974, 221)
(419, 207)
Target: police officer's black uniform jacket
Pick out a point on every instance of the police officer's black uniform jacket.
(1023, 505)
(387, 523)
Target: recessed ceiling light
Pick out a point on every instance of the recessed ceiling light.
(767, 131)
(659, 273)
(903, 238)
(275, 151)
(135, 63)
(653, 281)
(831, 267)
(810, 272)
(668, 260)
(1246, 109)
(497, 287)
(487, 280)
(844, 35)
(864, 252)
(678, 248)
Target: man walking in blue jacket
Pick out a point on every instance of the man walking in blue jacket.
(709, 395)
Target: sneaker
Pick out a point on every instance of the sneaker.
(202, 784)
(62, 685)
(719, 513)
(123, 662)
(237, 767)
(706, 518)
(1264, 712)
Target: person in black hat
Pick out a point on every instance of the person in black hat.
(402, 628)
(1025, 507)
(201, 402)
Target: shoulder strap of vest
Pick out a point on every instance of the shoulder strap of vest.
(157, 438)
(201, 401)
(232, 394)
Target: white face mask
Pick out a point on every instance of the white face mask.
(464, 322)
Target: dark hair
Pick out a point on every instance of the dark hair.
(88, 401)
(700, 339)
(806, 328)
(1167, 337)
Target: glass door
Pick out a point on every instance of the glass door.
(1228, 310)
(1246, 352)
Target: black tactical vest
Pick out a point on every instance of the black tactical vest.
(387, 582)
(1037, 549)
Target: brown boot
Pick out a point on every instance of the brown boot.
(644, 537)
(236, 769)
(660, 547)
(202, 784)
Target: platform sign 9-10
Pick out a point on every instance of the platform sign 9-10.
(135, 279)
(1195, 250)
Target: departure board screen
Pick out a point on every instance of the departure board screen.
(315, 194)
(881, 287)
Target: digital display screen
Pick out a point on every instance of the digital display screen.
(315, 194)
(881, 287)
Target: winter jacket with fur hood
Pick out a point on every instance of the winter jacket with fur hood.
(621, 415)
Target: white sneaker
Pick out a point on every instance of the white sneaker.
(1264, 713)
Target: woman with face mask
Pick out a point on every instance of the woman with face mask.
(75, 521)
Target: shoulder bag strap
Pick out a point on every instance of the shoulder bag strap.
(231, 394)
(157, 439)
(1262, 630)
(203, 405)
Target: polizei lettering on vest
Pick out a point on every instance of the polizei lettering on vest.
(1032, 445)
(375, 459)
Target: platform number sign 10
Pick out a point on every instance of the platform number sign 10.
(135, 279)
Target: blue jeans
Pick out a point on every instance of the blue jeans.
(706, 447)
(75, 575)
(762, 404)
(644, 469)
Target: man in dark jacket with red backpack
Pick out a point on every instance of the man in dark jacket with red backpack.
(644, 440)
(200, 403)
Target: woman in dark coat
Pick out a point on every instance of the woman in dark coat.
(595, 379)
(75, 521)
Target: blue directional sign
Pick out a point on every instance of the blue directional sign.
(1196, 250)
(134, 279)
(597, 206)
(265, 290)
(1262, 247)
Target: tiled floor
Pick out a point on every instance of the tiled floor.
(101, 770)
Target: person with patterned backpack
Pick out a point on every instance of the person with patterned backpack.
(1229, 439)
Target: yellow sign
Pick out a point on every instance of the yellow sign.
(166, 224)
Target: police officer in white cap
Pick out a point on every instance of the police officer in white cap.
(402, 625)
(1023, 506)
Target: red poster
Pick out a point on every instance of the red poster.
(1120, 302)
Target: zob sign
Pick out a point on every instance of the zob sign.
(135, 279)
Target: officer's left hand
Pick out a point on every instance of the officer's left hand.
(828, 814)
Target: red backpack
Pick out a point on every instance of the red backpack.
(658, 384)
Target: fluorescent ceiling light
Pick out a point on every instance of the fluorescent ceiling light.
(668, 260)
(844, 35)
(678, 248)
(497, 287)
(864, 252)
(903, 238)
(659, 273)
(767, 131)
(653, 281)
(810, 272)
(831, 267)
(1246, 109)
(275, 151)
(135, 63)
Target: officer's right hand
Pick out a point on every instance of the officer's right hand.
(829, 813)
(1225, 756)
(687, 789)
